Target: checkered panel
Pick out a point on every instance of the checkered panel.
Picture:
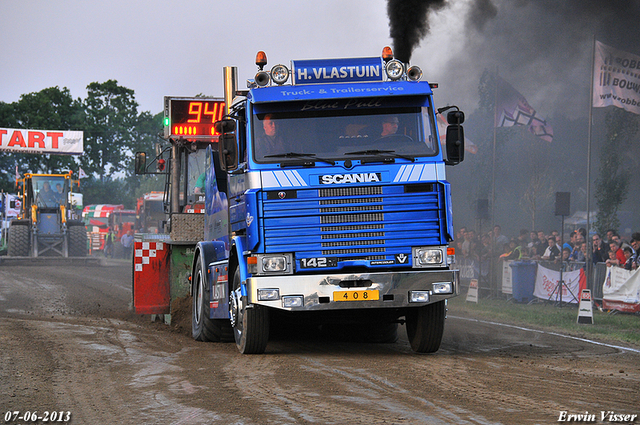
(145, 252)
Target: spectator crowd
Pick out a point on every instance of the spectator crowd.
(609, 248)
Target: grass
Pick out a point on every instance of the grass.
(610, 327)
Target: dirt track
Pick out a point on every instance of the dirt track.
(69, 343)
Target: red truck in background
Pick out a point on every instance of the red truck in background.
(96, 220)
(150, 213)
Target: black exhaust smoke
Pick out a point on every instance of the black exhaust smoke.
(409, 23)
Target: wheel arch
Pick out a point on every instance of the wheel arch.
(235, 256)
(208, 251)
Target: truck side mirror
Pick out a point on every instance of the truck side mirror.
(228, 152)
(225, 126)
(455, 117)
(140, 163)
(455, 144)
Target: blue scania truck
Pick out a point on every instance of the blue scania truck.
(326, 202)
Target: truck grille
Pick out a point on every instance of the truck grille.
(354, 223)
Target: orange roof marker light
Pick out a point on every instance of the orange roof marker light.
(387, 53)
(261, 60)
(262, 77)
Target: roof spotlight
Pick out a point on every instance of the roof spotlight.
(394, 69)
(279, 74)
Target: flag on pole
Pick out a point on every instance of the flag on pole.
(17, 174)
(513, 109)
(616, 79)
(81, 173)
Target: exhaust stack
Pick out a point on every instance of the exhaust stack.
(230, 74)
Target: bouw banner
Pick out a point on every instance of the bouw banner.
(547, 285)
(41, 141)
(616, 79)
(513, 109)
(621, 290)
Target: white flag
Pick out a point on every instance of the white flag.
(81, 173)
(616, 79)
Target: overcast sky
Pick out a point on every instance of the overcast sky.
(161, 47)
(178, 48)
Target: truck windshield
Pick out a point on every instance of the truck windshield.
(343, 134)
(49, 191)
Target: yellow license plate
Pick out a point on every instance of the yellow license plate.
(366, 295)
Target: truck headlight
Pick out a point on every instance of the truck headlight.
(419, 296)
(424, 257)
(268, 294)
(442, 288)
(274, 264)
(292, 301)
(270, 264)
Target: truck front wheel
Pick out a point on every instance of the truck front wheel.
(203, 328)
(425, 326)
(250, 322)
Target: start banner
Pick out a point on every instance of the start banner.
(41, 141)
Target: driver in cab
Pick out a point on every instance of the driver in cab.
(269, 141)
(389, 126)
(46, 196)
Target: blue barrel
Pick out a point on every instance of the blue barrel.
(523, 280)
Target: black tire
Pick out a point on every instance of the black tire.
(425, 326)
(202, 327)
(77, 241)
(19, 241)
(250, 323)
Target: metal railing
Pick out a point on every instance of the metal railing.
(489, 273)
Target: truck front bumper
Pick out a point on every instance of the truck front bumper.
(320, 292)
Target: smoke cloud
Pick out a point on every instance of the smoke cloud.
(409, 24)
(542, 47)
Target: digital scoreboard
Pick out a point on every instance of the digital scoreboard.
(192, 118)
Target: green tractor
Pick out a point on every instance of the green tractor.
(47, 224)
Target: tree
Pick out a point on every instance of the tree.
(111, 115)
(612, 184)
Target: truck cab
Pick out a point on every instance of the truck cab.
(326, 201)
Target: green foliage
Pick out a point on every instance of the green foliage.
(111, 114)
(612, 185)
